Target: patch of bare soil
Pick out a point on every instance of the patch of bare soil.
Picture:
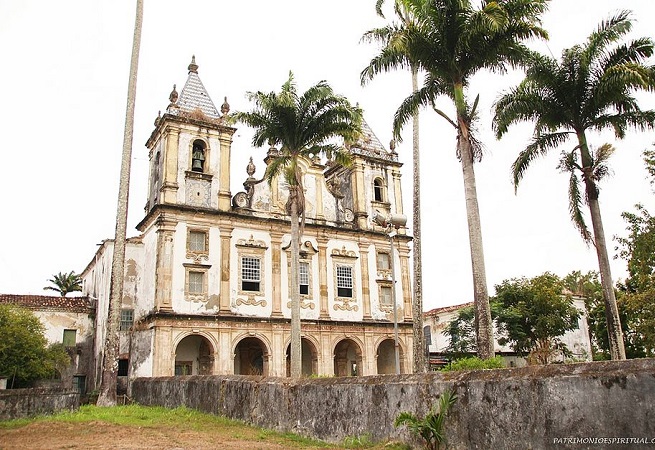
(101, 435)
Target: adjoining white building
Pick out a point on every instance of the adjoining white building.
(68, 321)
(438, 319)
(207, 280)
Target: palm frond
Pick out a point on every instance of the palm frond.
(568, 163)
(538, 147)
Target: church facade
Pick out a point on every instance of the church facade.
(207, 282)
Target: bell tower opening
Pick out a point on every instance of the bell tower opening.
(198, 156)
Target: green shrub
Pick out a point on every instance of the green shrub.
(431, 427)
(475, 363)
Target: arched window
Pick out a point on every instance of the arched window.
(378, 190)
(198, 156)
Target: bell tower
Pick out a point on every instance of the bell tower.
(189, 150)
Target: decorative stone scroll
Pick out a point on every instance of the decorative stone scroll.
(251, 301)
(251, 243)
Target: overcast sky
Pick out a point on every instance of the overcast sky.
(64, 84)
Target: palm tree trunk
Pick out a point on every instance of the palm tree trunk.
(614, 332)
(483, 324)
(296, 345)
(107, 396)
(417, 305)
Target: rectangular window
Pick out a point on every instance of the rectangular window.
(79, 383)
(385, 296)
(122, 367)
(197, 241)
(250, 273)
(196, 282)
(70, 338)
(344, 281)
(127, 319)
(384, 262)
(303, 278)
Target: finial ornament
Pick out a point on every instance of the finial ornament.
(173, 96)
(250, 169)
(225, 107)
(193, 67)
(392, 146)
(158, 118)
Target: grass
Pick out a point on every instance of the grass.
(184, 419)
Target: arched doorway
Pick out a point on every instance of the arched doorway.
(194, 355)
(386, 357)
(251, 357)
(309, 358)
(347, 359)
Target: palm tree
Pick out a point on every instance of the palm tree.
(303, 126)
(417, 303)
(107, 396)
(450, 41)
(590, 88)
(65, 283)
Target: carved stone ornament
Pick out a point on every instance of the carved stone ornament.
(251, 301)
(343, 253)
(250, 168)
(251, 243)
(346, 304)
(173, 97)
(304, 304)
(225, 107)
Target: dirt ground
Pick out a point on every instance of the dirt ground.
(101, 435)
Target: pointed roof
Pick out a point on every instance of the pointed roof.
(368, 144)
(194, 96)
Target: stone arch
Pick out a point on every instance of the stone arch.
(309, 357)
(251, 356)
(385, 356)
(194, 355)
(347, 357)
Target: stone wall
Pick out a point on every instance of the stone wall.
(518, 408)
(18, 403)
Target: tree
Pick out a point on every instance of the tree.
(590, 88)
(303, 126)
(107, 396)
(638, 250)
(65, 283)
(450, 41)
(420, 364)
(24, 352)
(461, 332)
(533, 314)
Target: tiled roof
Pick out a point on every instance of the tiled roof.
(194, 96)
(49, 302)
(369, 145)
(446, 309)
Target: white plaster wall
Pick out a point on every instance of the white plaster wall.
(266, 271)
(143, 367)
(146, 295)
(55, 322)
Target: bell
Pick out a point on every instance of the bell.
(196, 165)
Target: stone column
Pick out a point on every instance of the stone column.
(171, 155)
(224, 195)
(276, 254)
(164, 268)
(323, 278)
(359, 195)
(226, 247)
(403, 252)
(397, 194)
(163, 352)
(366, 281)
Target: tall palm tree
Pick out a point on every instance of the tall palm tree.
(417, 298)
(107, 396)
(591, 88)
(65, 283)
(303, 126)
(450, 41)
